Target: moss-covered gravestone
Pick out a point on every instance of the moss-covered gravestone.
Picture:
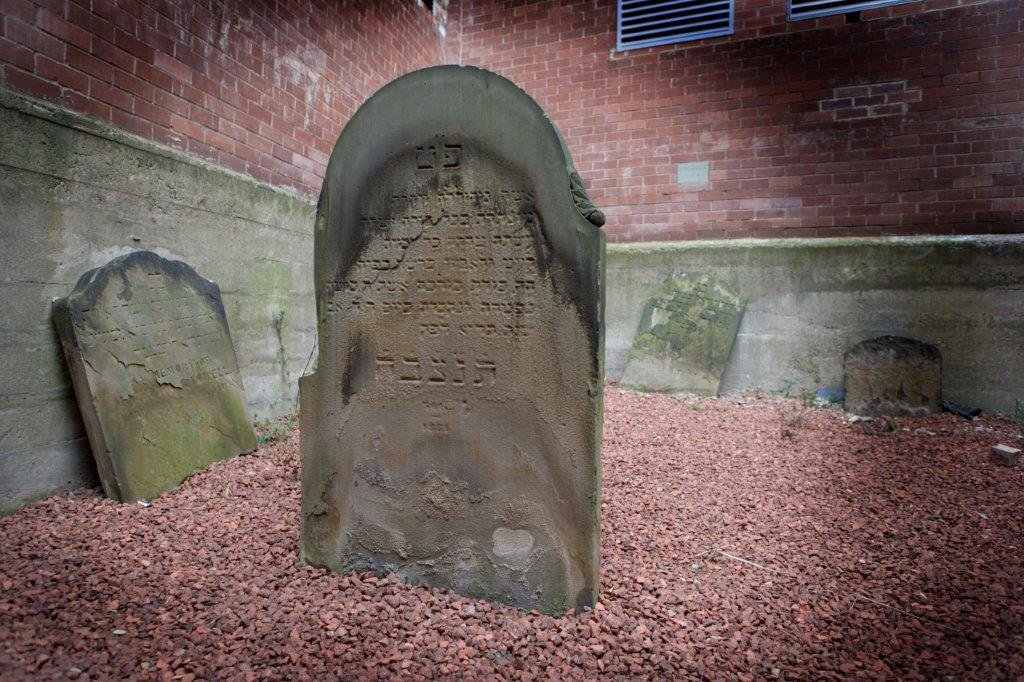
(154, 372)
(685, 336)
(451, 431)
(892, 376)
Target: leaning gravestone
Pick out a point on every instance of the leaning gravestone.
(451, 430)
(892, 377)
(154, 372)
(685, 336)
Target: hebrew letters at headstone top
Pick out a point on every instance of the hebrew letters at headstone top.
(685, 336)
(154, 371)
(451, 430)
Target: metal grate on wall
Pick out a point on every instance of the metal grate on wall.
(810, 9)
(646, 23)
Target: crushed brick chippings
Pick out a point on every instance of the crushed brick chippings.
(743, 538)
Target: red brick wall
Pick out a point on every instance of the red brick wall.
(261, 87)
(909, 122)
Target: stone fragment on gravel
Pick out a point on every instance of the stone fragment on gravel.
(892, 376)
(1005, 455)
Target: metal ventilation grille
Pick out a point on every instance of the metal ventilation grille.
(645, 23)
(809, 9)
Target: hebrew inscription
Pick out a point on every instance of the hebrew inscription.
(472, 274)
(457, 391)
(155, 373)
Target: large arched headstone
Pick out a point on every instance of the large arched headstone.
(451, 431)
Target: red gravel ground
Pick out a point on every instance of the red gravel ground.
(730, 552)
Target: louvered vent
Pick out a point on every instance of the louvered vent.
(645, 23)
(809, 9)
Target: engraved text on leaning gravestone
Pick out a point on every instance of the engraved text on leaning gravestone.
(154, 371)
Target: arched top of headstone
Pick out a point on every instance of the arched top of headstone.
(93, 282)
(895, 347)
(451, 106)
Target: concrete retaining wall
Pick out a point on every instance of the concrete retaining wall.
(74, 194)
(809, 300)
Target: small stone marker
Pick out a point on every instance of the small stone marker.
(451, 430)
(892, 376)
(154, 371)
(1005, 455)
(685, 336)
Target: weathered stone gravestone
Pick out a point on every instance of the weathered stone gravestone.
(685, 336)
(892, 377)
(451, 430)
(154, 371)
